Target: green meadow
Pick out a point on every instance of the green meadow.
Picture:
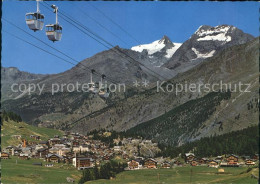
(25, 172)
(199, 175)
(10, 128)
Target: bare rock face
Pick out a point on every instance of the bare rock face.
(12, 75)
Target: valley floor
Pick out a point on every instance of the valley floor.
(25, 172)
(200, 174)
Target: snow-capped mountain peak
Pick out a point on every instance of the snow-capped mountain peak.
(218, 33)
(205, 43)
(151, 47)
(162, 45)
(166, 40)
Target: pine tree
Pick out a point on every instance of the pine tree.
(96, 172)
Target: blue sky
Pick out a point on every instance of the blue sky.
(145, 21)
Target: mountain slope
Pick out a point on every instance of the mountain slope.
(181, 123)
(10, 128)
(238, 63)
(118, 68)
(241, 142)
(234, 64)
(122, 112)
(12, 75)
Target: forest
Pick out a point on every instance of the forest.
(107, 170)
(11, 116)
(242, 142)
(185, 120)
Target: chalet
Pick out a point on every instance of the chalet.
(203, 161)
(67, 159)
(54, 141)
(64, 151)
(77, 137)
(223, 164)
(75, 143)
(93, 157)
(213, 163)
(255, 157)
(150, 163)
(24, 156)
(110, 151)
(59, 146)
(166, 165)
(9, 149)
(67, 133)
(17, 136)
(38, 146)
(249, 162)
(232, 160)
(119, 153)
(232, 157)
(54, 150)
(99, 149)
(106, 157)
(140, 160)
(81, 148)
(189, 157)
(41, 153)
(16, 151)
(53, 158)
(219, 158)
(69, 154)
(133, 165)
(82, 162)
(125, 156)
(36, 137)
(117, 148)
(4, 155)
(44, 143)
(27, 149)
(193, 163)
(177, 162)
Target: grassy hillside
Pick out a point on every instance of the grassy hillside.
(25, 172)
(170, 128)
(10, 128)
(183, 175)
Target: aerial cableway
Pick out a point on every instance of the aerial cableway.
(35, 20)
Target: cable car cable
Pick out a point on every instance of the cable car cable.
(89, 69)
(98, 23)
(87, 29)
(96, 73)
(110, 19)
(19, 38)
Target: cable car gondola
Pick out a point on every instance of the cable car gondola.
(92, 87)
(102, 91)
(35, 21)
(54, 31)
